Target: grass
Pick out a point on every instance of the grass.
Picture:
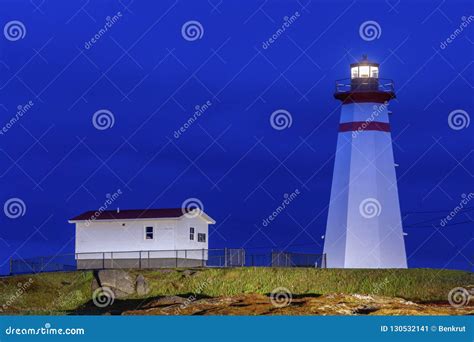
(56, 293)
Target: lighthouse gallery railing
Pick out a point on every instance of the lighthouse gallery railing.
(379, 84)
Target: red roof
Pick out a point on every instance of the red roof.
(131, 214)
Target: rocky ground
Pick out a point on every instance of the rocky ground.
(240, 291)
(257, 304)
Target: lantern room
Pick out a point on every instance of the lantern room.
(364, 83)
(364, 75)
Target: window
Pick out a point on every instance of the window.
(355, 72)
(191, 233)
(363, 71)
(148, 233)
(201, 237)
(374, 72)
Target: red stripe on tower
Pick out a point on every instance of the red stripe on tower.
(364, 126)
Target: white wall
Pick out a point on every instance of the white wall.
(364, 168)
(129, 235)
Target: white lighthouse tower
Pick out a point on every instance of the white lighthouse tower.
(364, 228)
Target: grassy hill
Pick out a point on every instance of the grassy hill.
(62, 292)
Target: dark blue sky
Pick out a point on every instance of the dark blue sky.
(151, 79)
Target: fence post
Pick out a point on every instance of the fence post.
(202, 259)
(140, 260)
(176, 252)
(225, 257)
(111, 259)
(148, 259)
(103, 260)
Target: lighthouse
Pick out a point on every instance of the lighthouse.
(364, 227)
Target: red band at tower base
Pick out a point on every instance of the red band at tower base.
(364, 126)
(368, 96)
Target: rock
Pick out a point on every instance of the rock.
(118, 280)
(142, 285)
(188, 273)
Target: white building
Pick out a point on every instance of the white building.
(364, 227)
(146, 238)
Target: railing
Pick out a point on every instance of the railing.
(152, 259)
(364, 84)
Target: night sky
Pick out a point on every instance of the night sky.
(150, 78)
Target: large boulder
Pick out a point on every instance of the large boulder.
(121, 282)
(142, 285)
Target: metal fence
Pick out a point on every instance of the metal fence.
(227, 257)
